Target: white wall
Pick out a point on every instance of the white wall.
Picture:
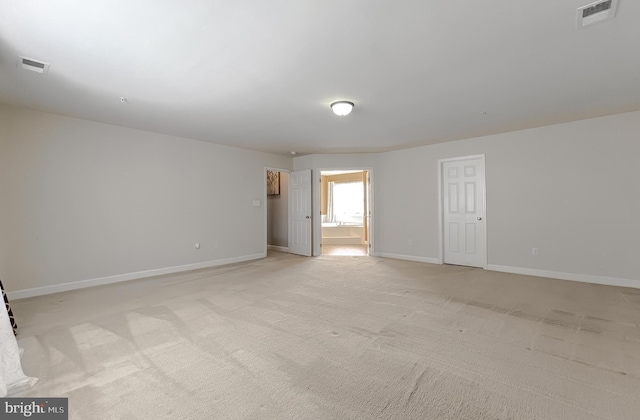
(572, 190)
(343, 161)
(81, 200)
(278, 214)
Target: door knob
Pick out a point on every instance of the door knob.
(307, 217)
(479, 218)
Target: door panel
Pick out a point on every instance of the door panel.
(464, 218)
(300, 212)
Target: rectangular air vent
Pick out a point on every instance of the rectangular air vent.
(596, 12)
(34, 65)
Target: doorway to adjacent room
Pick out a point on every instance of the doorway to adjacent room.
(345, 210)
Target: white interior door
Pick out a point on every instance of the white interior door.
(300, 212)
(464, 227)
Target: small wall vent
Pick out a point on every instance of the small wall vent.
(596, 12)
(34, 65)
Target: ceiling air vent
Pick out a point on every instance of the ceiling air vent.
(34, 65)
(596, 12)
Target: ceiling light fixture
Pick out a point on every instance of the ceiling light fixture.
(342, 108)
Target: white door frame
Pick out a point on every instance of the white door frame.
(317, 218)
(441, 205)
(264, 200)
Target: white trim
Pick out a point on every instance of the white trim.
(429, 260)
(372, 216)
(100, 281)
(440, 214)
(316, 208)
(585, 278)
(278, 248)
(441, 162)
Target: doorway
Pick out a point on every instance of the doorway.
(276, 209)
(345, 212)
(463, 211)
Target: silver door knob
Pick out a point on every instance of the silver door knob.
(479, 218)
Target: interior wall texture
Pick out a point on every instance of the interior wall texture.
(81, 200)
(571, 190)
(278, 214)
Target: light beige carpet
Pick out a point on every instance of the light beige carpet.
(290, 337)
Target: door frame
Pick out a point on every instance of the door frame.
(264, 200)
(316, 206)
(441, 205)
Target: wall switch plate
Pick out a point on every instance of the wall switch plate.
(534, 251)
(256, 203)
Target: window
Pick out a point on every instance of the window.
(347, 202)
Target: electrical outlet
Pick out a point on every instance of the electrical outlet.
(534, 251)
(215, 245)
(410, 242)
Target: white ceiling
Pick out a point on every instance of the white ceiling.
(260, 74)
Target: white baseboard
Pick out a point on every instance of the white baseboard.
(278, 248)
(585, 278)
(100, 281)
(429, 260)
(46, 290)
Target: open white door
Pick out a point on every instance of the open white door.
(464, 232)
(300, 212)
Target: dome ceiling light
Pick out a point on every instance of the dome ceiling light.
(342, 108)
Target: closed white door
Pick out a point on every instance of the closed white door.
(464, 212)
(300, 212)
